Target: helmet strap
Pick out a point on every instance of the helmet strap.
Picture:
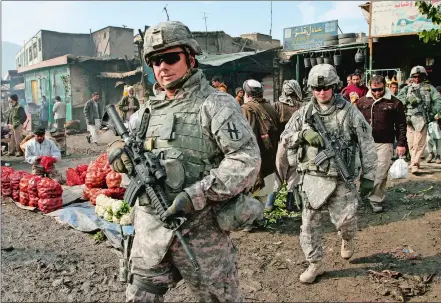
(179, 82)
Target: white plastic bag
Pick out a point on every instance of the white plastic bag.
(399, 169)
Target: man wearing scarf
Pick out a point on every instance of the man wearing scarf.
(289, 102)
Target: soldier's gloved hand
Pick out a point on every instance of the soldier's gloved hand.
(366, 186)
(182, 203)
(313, 138)
(118, 159)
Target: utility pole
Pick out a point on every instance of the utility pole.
(165, 10)
(205, 17)
(271, 26)
(206, 32)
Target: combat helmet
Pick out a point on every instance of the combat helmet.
(169, 34)
(323, 75)
(418, 70)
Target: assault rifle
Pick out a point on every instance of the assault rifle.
(422, 106)
(147, 175)
(333, 148)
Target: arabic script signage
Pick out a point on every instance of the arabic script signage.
(398, 17)
(308, 36)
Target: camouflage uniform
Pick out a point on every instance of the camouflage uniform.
(413, 96)
(321, 187)
(208, 151)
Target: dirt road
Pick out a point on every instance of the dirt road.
(44, 261)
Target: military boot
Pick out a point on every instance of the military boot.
(347, 249)
(314, 269)
(430, 157)
(270, 202)
(438, 160)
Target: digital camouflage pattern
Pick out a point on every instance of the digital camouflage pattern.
(325, 188)
(167, 35)
(207, 142)
(342, 207)
(416, 93)
(284, 172)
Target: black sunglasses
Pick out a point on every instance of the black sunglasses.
(320, 88)
(416, 76)
(377, 90)
(168, 58)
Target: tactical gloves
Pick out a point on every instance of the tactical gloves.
(366, 186)
(312, 137)
(182, 203)
(118, 159)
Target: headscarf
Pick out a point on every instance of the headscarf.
(291, 92)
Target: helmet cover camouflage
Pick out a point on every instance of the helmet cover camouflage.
(169, 34)
(418, 70)
(323, 75)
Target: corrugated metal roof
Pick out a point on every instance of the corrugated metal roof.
(218, 60)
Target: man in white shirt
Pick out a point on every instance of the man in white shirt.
(59, 113)
(38, 147)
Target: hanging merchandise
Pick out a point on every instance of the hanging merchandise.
(307, 62)
(313, 60)
(359, 56)
(328, 59)
(321, 59)
(337, 58)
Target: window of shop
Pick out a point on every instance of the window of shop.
(30, 54)
(39, 44)
(35, 50)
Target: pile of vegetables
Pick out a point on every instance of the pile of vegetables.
(100, 179)
(279, 212)
(6, 182)
(76, 176)
(112, 210)
(31, 190)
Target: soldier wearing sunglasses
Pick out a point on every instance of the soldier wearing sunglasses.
(385, 113)
(321, 186)
(423, 106)
(210, 155)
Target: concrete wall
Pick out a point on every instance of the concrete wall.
(222, 43)
(114, 42)
(59, 44)
(216, 42)
(121, 43)
(22, 57)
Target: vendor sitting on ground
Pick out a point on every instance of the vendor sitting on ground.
(38, 147)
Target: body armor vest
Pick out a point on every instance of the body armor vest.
(338, 126)
(175, 134)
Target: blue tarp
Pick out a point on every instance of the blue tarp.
(82, 217)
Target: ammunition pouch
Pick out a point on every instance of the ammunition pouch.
(241, 211)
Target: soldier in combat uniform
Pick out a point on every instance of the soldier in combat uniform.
(422, 103)
(321, 186)
(210, 155)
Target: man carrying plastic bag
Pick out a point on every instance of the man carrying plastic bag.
(385, 113)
